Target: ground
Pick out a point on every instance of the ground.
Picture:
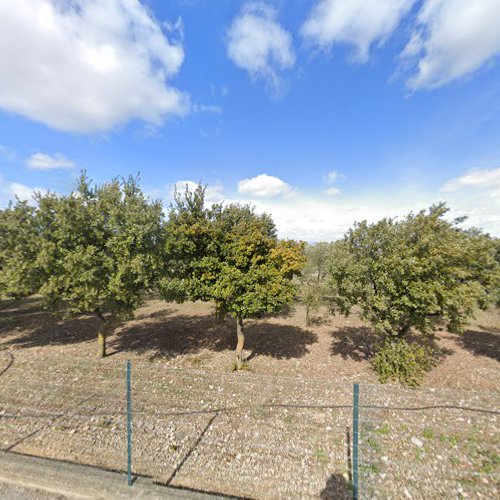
(280, 429)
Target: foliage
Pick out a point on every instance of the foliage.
(403, 362)
(228, 254)
(495, 291)
(418, 272)
(314, 276)
(99, 249)
(19, 276)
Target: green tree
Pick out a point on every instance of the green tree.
(314, 276)
(100, 251)
(418, 272)
(19, 276)
(230, 255)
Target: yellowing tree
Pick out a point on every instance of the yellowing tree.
(230, 255)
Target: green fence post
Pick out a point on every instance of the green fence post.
(129, 427)
(355, 442)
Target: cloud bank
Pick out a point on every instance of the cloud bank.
(355, 22)
(87, 66)
(449, 39)
(452, 39)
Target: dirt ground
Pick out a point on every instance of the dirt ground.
(187, 336)
(280, 429)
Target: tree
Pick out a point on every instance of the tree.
(313, 277)
(99, 250)
(419, 272)
(19, 276)
(232, 256)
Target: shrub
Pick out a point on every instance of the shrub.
(403, 362)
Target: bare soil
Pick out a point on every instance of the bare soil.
(279, 429)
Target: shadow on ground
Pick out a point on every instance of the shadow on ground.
(353, 342)
(25, 325)
(162, 334)
(336, 488)
(480, 343)
(167, 335)
(359, 343)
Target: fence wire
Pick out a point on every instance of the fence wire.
(428, 443)
(231, 433)
(255, 436)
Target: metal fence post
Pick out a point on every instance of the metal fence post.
(355, 442)
(129, 427)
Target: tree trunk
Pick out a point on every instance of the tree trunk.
(308, 319)
(220, 313)
(241, 342)
(101, 336)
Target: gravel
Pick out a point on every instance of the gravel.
(281, 430)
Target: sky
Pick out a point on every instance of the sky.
(319, 112)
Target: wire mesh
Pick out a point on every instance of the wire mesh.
(428, 443)
(254, 435)
(235, 433)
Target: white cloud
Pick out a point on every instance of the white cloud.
(24, 193)
(42, 161)
(316, 218)
(264, 185)
(359, 23)
(452, 39)
(478, 178)
(331, 178)
(87, 65)
(332, 191)
(478, 191)
(257, 43)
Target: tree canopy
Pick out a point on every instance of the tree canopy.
(99, 250)
(231, 255)
(419, 272)
(313, 279)
(19, 245)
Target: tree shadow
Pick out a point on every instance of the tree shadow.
(13, 307)
(162, 334)
(27, 325)
(336, 488)
(168, 335)
(353, 342)
(277, 341)
(359, 343)
(480, 343)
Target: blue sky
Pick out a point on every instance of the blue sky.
(320, 112)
